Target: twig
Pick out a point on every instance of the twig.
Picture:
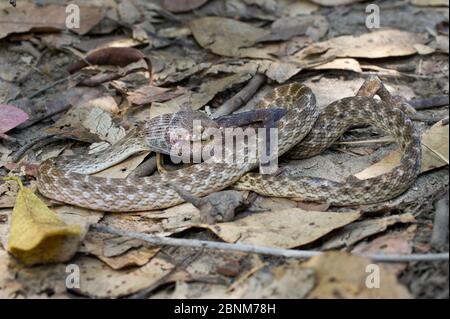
(440, 225)
(288, 253)
(424, 118)
(240, 98)
(429, 103)
(362, 141)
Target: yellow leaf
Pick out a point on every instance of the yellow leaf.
(285, 228)
(37, 235)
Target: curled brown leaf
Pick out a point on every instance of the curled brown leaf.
(112, 56)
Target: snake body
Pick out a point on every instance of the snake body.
(304, 131)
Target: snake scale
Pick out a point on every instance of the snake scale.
(304, 131)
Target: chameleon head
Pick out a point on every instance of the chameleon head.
(190, 126)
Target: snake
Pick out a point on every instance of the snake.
(304, 131)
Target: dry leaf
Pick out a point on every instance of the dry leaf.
(4, 155)
(435, 147)
(434, 153)
(273, 203)
(214, 263)
(340, 275)
(125, 168)
(204, 94)
(9, 287)
(377, 44)
(423, 49)
(149, 94)
(299, 7)
(328, 90)
(282, 71)
(355, 232)
(117, 252)
(98, 280)
(318, 207)
(441, 43)
(288, 27)
(341, 64)
(106, 103)
(276, 70)
(227, 37)
(10, 117)
(134, 257)
(289, 280)
(144, 222)
(80, 216)
(8, 193)
(128, 13)
(397, 243)
(37, 235)
(287, 228)
(88, 124)
(172, 67)
(45, 18)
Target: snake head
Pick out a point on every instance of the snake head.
(202, 127)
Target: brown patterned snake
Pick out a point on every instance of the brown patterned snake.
(303, 127)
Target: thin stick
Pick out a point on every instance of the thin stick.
(288, 253)
(429, 103)
(424, 118)
(240, 98)
(372, 141)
